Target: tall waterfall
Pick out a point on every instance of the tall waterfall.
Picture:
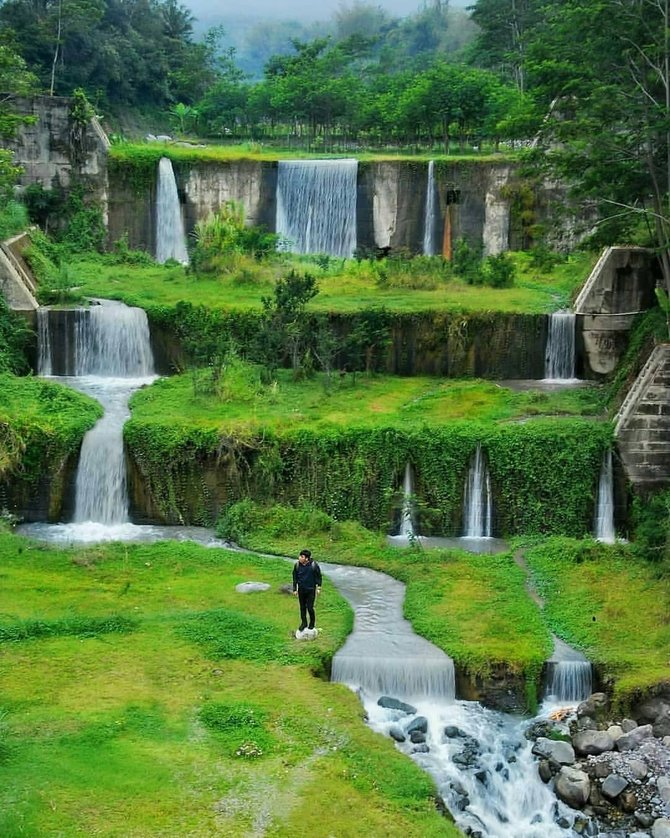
(430, 212)
(106, 351)
(477, 502)
(170, 235)
(559, 361)
(603, 525)
(316, 205)
(406, 524)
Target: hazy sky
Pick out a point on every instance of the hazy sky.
(307, 10)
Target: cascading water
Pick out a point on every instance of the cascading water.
(430, 212)
(170, 235)
(480, 759)
(603, 526)
(559, 361)
(477, 502)
(316, 205)
(406, 524)
(570, 676)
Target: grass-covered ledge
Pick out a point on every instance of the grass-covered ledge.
(201, 717)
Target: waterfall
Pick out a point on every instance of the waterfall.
(406, 525)
(429, 213)
(107, 354)
(559, 361)
(477, 504)
(603, 526)
(383, 654)
(170, 236)
(571, 681)
(316, 205)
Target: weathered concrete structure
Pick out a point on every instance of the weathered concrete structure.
(17, 284)
(620, 286)
(643, 424)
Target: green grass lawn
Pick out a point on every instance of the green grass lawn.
(246, 405)
(609, 603)
(142, 695)
(344, 285)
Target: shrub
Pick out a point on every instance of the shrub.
(498, 271)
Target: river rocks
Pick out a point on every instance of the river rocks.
(632, 740)
(595, 706)
(418, 725)
(395, 704)
(663, 788)
(592, 742)
(573, 787)
(661, 828)
(453, 732)
(613, 785)
(396, 732)
(555, 750)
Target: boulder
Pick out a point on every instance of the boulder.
(418, 737)
(592, 742)
(613, 785)
(395, 732)
(663, 787)
(627, 725)
(631, 741)
(628, 801)
(395, 704)
(638, 768)
(419, 724)
(651, 709)
(661, 726)
(661, 828)
(555, 750)
(453, 732)
(544, 770)
(615, 731)
(573, 787)
(421, 748)
(595, 706)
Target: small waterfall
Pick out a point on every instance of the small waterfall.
(383, 655)
(603, 525)
(316, 205)
(44, 352)
(477, 503)
(559, 361)
(406, 525)
(571, 681)
(170, 236)
(430, 212)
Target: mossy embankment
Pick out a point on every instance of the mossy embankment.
(345, 450)
(141, 694)
(42, 425)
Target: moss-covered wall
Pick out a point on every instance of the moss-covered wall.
(544, 473)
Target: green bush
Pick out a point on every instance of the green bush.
(652, 533)
(499, 271)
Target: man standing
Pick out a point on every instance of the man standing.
(306, 586)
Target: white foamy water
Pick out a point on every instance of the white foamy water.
(170, 234)
(603, 526)
(477, 501)
(559, 361)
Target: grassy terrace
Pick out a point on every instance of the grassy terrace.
(245, 404)
(142, 695)
(344, 285)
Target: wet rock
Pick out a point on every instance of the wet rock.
(395, 732)
(540, 728)
(482, 776)
(573, 787)
(419, 724)
(661, 828)
(421, 748)
(631, 741)
(592, 742)
(544, 770)
(613, 785)
(395, 704)
(595, 706)
(417, 736)
(561, 752)
(453, 732)
(564, 823)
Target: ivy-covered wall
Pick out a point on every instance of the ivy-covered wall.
(544, 473)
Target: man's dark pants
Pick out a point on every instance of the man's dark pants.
(306, 598)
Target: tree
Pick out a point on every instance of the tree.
(501, 44)
(284, 329)
(608, 129)
(14, 79)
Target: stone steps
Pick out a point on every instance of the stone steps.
(643, 423)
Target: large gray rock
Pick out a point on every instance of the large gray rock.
(628, 724)
(661, 828)
(662, 725)
(419, 724)
(613, 785)
(595, 706)
(557, 751)
(395, 704)
(592, 742)
(663, 786)
(395, 732)
(638, 768)
(631, 741)
(651, 709)
(573, 787)
(615, 731)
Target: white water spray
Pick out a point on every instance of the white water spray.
(559, 361)
(603, 526)
(316, 205)
(406, 524)
(477, 502)
(430, 212)
(170, 235)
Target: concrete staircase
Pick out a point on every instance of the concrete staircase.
(643, 423)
